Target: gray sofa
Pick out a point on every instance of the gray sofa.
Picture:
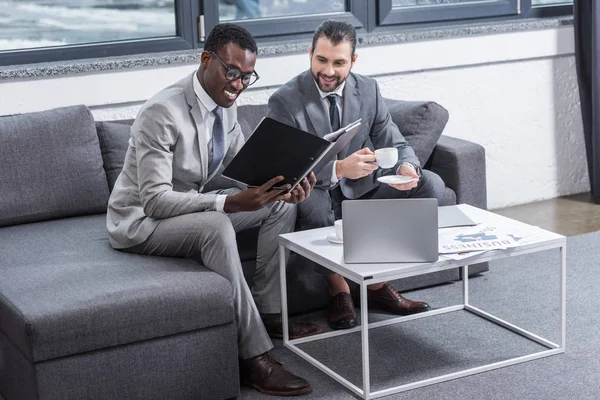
(79, 320)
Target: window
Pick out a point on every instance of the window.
(546, 2)
(392, 12)
(39, 23)
(547, 8)
(34, 31)
(42, 30)
(268, 18)
(254, 9)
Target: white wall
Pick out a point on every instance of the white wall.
(515, 93)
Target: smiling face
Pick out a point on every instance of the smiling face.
(330, 64)
(212, 73)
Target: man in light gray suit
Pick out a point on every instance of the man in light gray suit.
(322, 99)
(161, 205)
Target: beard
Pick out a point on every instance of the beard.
(330, 86)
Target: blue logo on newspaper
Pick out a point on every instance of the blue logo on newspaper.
(485, 239)
(475, 237)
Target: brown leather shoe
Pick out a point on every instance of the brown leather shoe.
(341, 314)
(296, 329)
(388, 299)
(266, 374)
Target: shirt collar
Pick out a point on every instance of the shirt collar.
(202, 96)
(338, 90)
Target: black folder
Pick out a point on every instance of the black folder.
(275, 148)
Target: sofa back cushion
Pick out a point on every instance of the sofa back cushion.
(50, 166)
(420, 122)
(249, 116)
(114, 141)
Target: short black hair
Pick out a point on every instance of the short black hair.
(222, 34)
(336, 32)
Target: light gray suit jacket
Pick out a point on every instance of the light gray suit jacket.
(298, 103)
(166, 165)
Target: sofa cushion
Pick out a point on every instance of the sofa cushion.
(114, 140)
(249, 116)
(50, 166)
(64, 291)
(421, 123)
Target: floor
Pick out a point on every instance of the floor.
(568, 215)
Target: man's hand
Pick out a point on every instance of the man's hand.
(407, 170)
(256, 198)
(356, 165)
(302, 191)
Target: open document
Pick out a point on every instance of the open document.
(275, 148)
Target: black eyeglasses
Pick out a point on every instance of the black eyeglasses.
(233, 74)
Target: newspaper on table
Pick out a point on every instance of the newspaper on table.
(479, 238)
(462, 243)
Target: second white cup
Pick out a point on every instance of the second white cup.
(386, 157)
(339, 231)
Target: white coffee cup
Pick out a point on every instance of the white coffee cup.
(339, 231)
(386, 157)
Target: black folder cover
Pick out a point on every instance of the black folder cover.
(276, 149)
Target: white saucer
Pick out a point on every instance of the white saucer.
(395, 179)
(334, 239)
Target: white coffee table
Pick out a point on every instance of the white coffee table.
(313, 245)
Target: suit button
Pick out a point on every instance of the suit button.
(319, 182)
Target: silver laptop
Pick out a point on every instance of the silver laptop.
(390, 231)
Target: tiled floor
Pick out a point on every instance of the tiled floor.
(568, 215)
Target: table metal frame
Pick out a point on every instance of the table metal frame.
(365, 392)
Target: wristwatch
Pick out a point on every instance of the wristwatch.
(415, 167)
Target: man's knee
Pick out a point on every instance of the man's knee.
(312, 203)
(433, 186)
(190, 235)
(286, 210)
(281, 215)
(316, 211)
(216, 226)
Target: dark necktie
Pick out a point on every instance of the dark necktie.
(218, 140)
(334, 112)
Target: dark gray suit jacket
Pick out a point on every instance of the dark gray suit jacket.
(298, 103)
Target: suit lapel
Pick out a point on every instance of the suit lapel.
(192, 101)
(314, 106)
(352, 109)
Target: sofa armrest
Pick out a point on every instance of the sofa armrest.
(461, 164)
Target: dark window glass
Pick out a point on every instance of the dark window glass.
(412, 3)
(253, 9)
(550, 2)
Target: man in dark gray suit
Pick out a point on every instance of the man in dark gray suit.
(322, 99)
(162, 205)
